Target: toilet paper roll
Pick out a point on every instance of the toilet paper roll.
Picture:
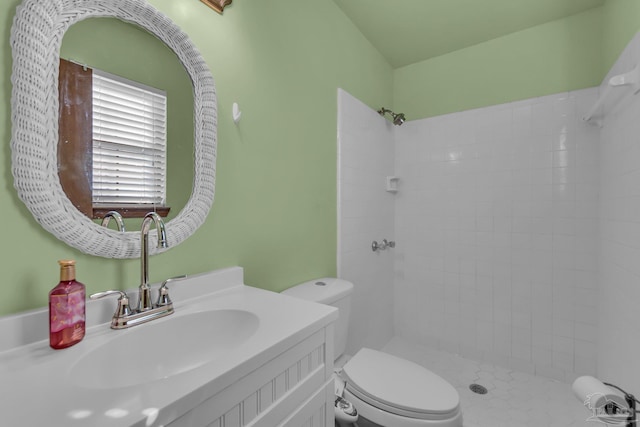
(593, 393)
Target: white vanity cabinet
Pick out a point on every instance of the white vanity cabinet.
(230, 356)
(294, 389)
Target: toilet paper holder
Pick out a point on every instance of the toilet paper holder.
(605, 404)
(631, 404)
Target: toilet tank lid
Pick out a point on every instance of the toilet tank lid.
(325, 290)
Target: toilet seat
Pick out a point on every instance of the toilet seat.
(399, 386)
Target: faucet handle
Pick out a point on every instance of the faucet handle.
(123, 309)
(163, 293)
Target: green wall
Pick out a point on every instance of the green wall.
(275, 207)
(568, 54)
(555, 57)
(621, 21)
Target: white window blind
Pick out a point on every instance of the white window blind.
(129, 142)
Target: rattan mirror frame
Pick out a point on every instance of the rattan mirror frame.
(36, 36)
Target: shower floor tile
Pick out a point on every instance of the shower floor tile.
(514, 399)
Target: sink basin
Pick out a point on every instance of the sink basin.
(163, 349)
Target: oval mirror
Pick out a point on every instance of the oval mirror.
(36, 36)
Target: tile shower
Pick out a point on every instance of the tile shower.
(366, 214)
(496, 224)
(517, 230)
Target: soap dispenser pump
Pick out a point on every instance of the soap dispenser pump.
(66, 308)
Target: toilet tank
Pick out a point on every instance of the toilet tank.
(333, 292)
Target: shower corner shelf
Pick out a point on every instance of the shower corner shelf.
(392, 184)
(630, 78)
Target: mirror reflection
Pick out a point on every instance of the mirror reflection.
(129, 54)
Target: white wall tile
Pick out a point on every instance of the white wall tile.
(509, 195)
(618, 293)
(497, 207)
(366, 211)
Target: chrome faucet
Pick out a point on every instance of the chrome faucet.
(375, 246)
(125, 317)
(117, 217)
(146, 310)
(144, 302)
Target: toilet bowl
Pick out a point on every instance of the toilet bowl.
(386, 390)
(391, 391)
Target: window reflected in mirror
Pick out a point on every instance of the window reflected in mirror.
(117, 128)
(126, 53)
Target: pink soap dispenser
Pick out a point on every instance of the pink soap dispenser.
(66, 308)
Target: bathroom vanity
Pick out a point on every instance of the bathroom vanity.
(231, 355)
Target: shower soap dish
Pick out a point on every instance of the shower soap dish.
(392, 184)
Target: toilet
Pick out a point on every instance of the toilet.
(385, 390)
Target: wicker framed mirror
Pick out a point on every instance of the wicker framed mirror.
(36, 36)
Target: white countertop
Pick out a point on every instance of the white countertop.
(36, 388)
